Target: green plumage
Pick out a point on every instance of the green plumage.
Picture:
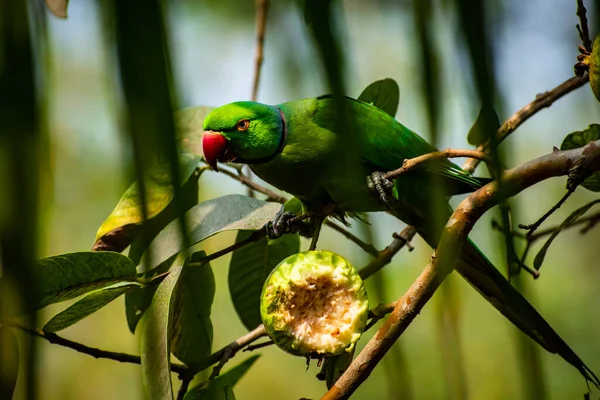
(321, 161)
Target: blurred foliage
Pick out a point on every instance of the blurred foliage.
(354, 43)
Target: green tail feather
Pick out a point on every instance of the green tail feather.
(492, 285)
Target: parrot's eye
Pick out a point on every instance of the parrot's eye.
(243, 125)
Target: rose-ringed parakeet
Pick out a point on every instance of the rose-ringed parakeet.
(300, 148)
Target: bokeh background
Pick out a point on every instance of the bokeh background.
(212, 49)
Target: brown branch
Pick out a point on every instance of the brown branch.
(229, 351)
(409, 164)
(446, 256)
(584, 32)
(385, 256)
(541, 101)
(273, 196)
(262, 7)
(90, 351)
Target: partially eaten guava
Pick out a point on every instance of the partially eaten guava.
(314, 304)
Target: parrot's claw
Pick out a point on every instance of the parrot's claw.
(381, 186)
(281, 225)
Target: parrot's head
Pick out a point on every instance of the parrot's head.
(244, 131)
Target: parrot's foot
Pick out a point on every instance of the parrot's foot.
(381, 186)
(281, 225)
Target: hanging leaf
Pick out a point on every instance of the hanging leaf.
(231, 212)
(86, 306)
(124, 223)
(249, 268)
(9, 363)
(383, 94)
(155, 345)
(189, 128)
(486, 125)
(191, 327)
(138, 299)
(67, 276)
(221, 386)
(539, 258)
(579, 139)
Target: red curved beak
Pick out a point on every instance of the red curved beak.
(215, 148)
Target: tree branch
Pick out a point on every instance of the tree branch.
(90, 351)
(541, 101)
(385, 256)
(446, 256)
(584, 32)
(409, 164)
(262, 7)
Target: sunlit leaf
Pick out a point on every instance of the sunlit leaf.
(249, 268)
(189, 123)
(138, 299)
(124, 223)
(191, 327)
(539, 258)
(231, 212)
(58, 7)
(383, 94)
(67, 276)
(221, 386)
(579, 139)
(486, 125)
(9, 363)
(86, 306)
(155, 344)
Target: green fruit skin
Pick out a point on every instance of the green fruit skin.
(595, 68)
(294, 267)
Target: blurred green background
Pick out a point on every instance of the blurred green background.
(212, 48)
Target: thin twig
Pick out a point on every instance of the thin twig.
(385, 256)
(584, 32)
(253, 347)
(445, 259)
(262, 7)
(541, 101)
(409, 164)
(90, 351)
(229, 351)
(533, 227)
(273, 196)
(367, 247)
(196, 260)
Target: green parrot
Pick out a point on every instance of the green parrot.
(300, 148)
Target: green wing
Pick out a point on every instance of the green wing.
(386, 143)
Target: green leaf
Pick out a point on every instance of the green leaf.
(486, 125)
(189, 123)
(191, 328)
(383, 94)
(86, 306)
(336, 366)
(67, 276)
(249, 268)
(9, 363)
(539, 258)
(138, 300)
(124, 223)
(155, 344)
(217, 388)
(231, 212)
(579, 139)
